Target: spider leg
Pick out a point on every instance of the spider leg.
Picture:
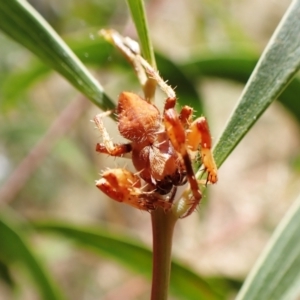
(175, 128)
(108, 146)
(198, 134)
(172, 194)
(176, 134)
(123, 186)
(185, 116)
(131, 50)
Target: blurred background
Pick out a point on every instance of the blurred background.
(48, 164)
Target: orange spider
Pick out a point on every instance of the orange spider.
(162, 147)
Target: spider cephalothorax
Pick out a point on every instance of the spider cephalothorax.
(161, 147)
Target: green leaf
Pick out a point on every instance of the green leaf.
(21, 22)
(239, 68)
(15, 248)
(95, 52)
(138, 14)
(275, 69)
(276, 274)
(185, 284)
(5, 275)
(229, 66)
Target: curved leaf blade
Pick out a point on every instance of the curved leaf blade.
(228, 66)
(95, 52)
(276, 274)
(276, 67)
(14, 247)
(21, 22)
(239, 68)
(138, 14)
(185, 284)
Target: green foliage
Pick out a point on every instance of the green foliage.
(277, 66)
(138, 14)
(21, 22)
(276, 274)
(16, 249)
(184, 282)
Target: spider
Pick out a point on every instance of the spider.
(162, 147)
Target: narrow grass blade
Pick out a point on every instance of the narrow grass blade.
(185, 284)
(227, 66)
(21, 22)
(138, 14)
(6, 276)
(95, 53)
(275, 69)
(14, 248)
(239, 68)
(276, 274)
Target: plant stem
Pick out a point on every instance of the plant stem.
(162, 226)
